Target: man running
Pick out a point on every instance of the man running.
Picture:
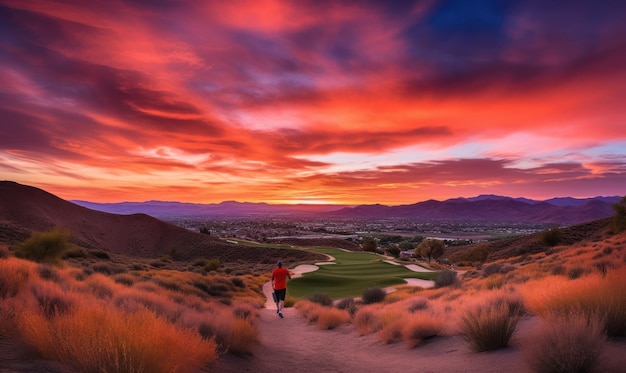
(279, 284)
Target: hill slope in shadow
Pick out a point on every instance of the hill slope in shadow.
(25, 209)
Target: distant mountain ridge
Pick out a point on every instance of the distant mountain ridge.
(487, 207)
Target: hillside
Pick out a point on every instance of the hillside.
(596, 230)
(25, 209)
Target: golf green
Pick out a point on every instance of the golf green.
(351, 275)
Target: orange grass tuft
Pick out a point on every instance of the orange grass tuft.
(13, 276)
(234, 332)
(594, 297)
(420, 326)
(490, 325)
(331, 318)
(95, 339)
(367, 321)
(565, 344)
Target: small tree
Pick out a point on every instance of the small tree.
(430, 249)
(45, 247)
(394, 251)
(619, 219)
(552, 237)
(369, 244)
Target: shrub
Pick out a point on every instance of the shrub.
(47, 272)
(4, 252)
(13, 275)
(290, 301)
(563, 345)
(212, 265)
(418, 304)
(45, 247)
(321, 298)
(349, 305)
(394, 251)
(373, 294)
(100, 254)
(52, 301)
(552, 237)
(445, 278)
(595, 297)
(330, 318)
(233, 331)
(618, 222)
(199, 262)
(124, 279)
(367, 321)
(494, 268)
(421, 326)
(391, 325)
(309, 310)
(74, 252)
(490, 325)
(494, 282)
(107, 268)
(95, 339)
(575, 273)
(238, 282)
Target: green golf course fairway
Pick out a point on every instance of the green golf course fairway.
(353, 273)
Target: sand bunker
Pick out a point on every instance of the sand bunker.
(419, 282)
(303, 268)
(416, 268)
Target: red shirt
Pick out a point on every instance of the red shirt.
(280, 275)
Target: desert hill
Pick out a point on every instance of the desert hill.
(25, 209)
(596, 230)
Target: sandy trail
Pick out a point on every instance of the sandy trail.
(291, 344)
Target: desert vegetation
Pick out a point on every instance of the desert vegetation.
(105, 316)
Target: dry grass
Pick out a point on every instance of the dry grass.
(391, 323)
(93, 338)
(367, 320)
(595, 297)
(565, 344)
(331, 318)
(308, 309)
(128, 322)
(232, 329)
(420, 326)
(490, 323)
(13, 276)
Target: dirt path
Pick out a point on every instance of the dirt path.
(291, 344)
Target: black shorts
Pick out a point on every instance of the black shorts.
(280, 294)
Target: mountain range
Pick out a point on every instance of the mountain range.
(561, 210)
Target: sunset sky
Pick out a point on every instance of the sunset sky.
(390, 102)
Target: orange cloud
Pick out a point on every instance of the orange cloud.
(123, 100)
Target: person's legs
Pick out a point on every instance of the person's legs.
(280, 296)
